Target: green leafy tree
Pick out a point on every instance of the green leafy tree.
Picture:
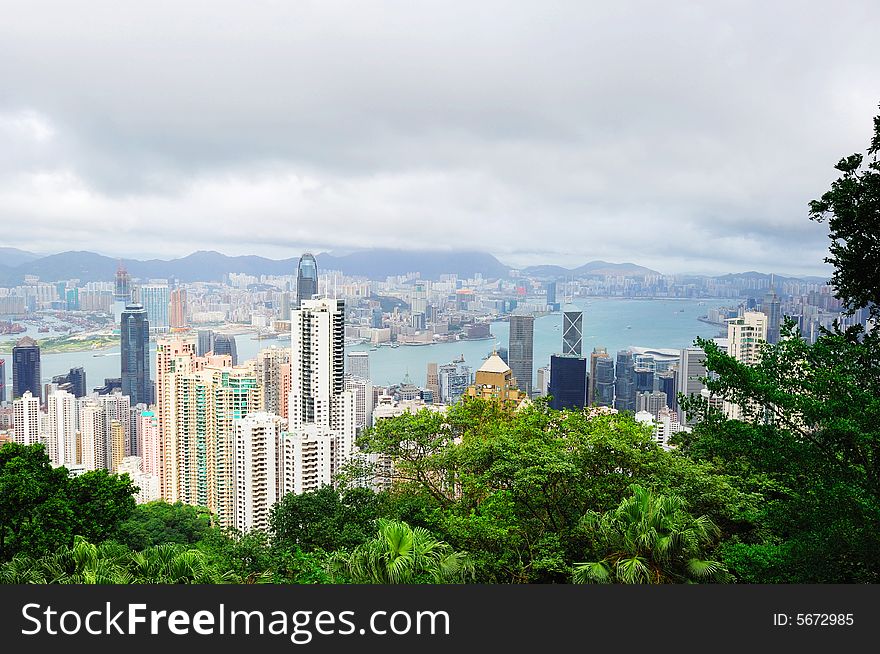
(400, 554)
(159, 522)
(35, 509)
(102, 502)
(852, 208)
(650, 539)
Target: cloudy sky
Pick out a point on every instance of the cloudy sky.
(686, 136)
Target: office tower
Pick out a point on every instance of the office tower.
(62, 423)
(494, 381)
(93, 422)
(117, 407)
(117, 444)
(624, 382)
(643, 377)
(273, 371)
(206, 342)
(376, 318)
(225, 344)
(147, 483)
(568, 382)
(432, 381)
(773, 309)
(598, 354)
(26, 419)
(542, 383)
(155, 300)
(177, 309)
(2, 380)
(359, 364)
(306, 279)
(651, 402)
(520, 351)
(666, 383)
(73, 382)
(122, 287)
(505, 356)
(362, 389)
(602, 379)
(135, 354)
(572, 333)
(745, 335)
(551, 296)
(149, 450)
(257, 463)
(454, 379)
(319, 403)
(111, 385)
(26, 368)
(419, 303)
(691, 368)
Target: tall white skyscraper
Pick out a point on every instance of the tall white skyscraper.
(307, 460)
(26, 417)
(93, 428)
(117, 407)
(258, 462)
(363, 400)
(319, 403)
(61, 438)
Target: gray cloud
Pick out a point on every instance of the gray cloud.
(684, 137)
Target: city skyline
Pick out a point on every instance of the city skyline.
(556, 125)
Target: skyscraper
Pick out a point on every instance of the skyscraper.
(306, 279)
(74, 382)
(206, 342)
(568, 382)
(745, 336)
(122, 295)
(258, 462)
(520, 351)
(135, 354)
(26, 419)
(551, 296)
(432, 381)
(572, 333)
(773, 309)
(225, 344)
(624, 382)
(319, 403)
(26, 368)
(601, 392)
(691, 368)
(177, 309)
(2, 380)
(273, 372)
(154, 298)
(359, 364)
(93, 424)
(62, 422)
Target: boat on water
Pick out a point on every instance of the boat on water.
(629, 326)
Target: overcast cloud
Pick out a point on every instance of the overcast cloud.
(682, 136)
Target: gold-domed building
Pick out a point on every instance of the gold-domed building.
(495, 381)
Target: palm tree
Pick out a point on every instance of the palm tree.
(650, 539)
(173, 564)
(400, 554)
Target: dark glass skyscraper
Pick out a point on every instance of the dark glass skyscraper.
(306, 278)
(26, 368)
(225, 344)
(572, 333)
(135, 333)
(520, 351)
(624, 383)
(74, 382)
(773, 308)
(568, 382)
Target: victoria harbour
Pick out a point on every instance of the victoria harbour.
(614, 324)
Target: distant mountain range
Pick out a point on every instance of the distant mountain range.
(374, 264)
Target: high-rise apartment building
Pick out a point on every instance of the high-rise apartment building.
(117, 407)
(117, 444)
(258, 462)
(26, 419)
(135, 354)
(306, 279)
(273, 371)
(453, 379)
(26, 368)
(521, 351)
(319, 403)
(745, 335)
(93, 454)
(177, 309)
(62, 423)
(149, 446)
(362, 388)
(155, 299)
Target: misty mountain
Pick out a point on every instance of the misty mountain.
(599, 268)
(10, 257)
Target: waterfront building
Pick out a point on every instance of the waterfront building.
(359, 363)
(306, 279)
(26, 368)
(521, 350)
(155, 300)
(135, 354)
(572, 333)
(568, 382)
(225, 344)
(624, 382)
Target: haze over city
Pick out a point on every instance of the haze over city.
(686, 138)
